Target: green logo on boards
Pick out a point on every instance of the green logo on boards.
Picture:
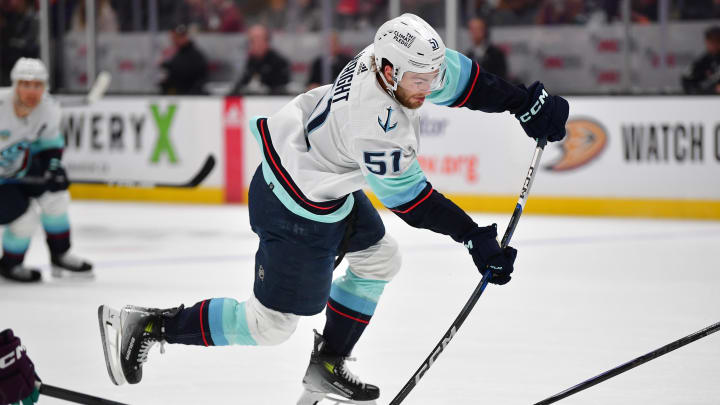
(163, 122)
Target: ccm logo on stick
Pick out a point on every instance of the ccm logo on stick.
(535, 108)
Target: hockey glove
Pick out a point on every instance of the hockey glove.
(488, 255)
(543, 114)
(56, 178)
(17, 372)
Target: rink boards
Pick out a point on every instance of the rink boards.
(625, 156)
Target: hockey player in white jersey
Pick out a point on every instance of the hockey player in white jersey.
(30, 169)
(307, 207)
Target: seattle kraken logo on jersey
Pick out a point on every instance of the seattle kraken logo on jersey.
(386, 126)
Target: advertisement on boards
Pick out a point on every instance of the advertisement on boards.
(152, 140)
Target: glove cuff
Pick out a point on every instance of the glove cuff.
(481, 233)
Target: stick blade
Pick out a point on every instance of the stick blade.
(99, 87)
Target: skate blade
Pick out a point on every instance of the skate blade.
(322, 398)
(110, 327)
(67, 275)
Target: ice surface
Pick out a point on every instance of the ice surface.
(588, 294)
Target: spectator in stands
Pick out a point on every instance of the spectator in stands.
(515, 12)
(487, 55)
(560, 12)
(698, 9)
(224, 16)
(186, 68)
(306, 16)
(19, 30)
(703, 76)
(339, 58)
(266, 71)
(644, 11)
(105, 17)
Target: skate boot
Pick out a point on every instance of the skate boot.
(20, 273)
(327, 376)
(71, 267)
(128, 335)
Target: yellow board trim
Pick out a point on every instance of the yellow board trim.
(203, 195)
(592, 206)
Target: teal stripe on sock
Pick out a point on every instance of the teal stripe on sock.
(356, 293)
(234, 323)
(215, 310)
(14, 244)
(56, 224)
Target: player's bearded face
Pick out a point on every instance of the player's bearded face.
(414, 87)
(30, 92)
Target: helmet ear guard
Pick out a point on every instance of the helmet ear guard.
(409, 44)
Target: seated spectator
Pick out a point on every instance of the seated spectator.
(186, 69)
(698, 9)
(338, 61)
(560, 12)
(704, 74)
(644, 11)
(19, 31)
(224, 16)
(515, 12)
(266, 71)
(105, 17)
(487, 55)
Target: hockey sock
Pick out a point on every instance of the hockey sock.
(14, 248)
(57, 229)
(351, 305)
(213, 322)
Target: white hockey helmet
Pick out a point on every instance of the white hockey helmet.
(29, 69)
(411, 45)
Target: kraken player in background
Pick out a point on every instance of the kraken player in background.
(307, 207)
(31, 148)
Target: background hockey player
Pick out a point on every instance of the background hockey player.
(31, 148)
(307, 207)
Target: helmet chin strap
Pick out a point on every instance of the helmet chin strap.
(390, 90)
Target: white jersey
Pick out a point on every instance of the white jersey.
(21, 138)
(336, 139)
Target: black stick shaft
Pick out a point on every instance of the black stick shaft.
(429, 360)
(73, 396)
(204, 171)
(631, 364)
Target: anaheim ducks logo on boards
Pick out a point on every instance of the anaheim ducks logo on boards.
(585, 140)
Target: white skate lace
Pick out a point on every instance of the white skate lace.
(145, 347)
(348, 374)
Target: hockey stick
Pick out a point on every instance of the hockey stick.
(73, 396)
(194, 182)
(96, 92)
(481, 286)
(632, 364)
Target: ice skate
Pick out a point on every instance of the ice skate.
(328, 378)
(68, 266)
(127, 336)
(20, 273)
